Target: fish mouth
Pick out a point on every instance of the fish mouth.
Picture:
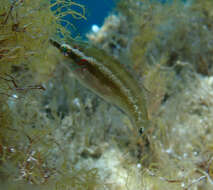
(64, 48)
(55, 43)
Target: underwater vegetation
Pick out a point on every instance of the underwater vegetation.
(172, 50)
(27, 142)
(56, 134)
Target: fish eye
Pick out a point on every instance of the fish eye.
(64, 49)
(141, 131)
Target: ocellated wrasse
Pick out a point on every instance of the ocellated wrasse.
(109, 79)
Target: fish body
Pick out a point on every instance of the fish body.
(109, 79)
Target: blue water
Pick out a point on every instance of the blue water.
(96, 12)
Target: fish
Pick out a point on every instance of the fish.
(108, 78)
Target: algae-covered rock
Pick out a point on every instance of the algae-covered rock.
(55, 134)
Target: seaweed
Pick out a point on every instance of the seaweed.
(65, 137)
(28, 145)
(172, 51)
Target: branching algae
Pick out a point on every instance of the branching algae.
(110, 80)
